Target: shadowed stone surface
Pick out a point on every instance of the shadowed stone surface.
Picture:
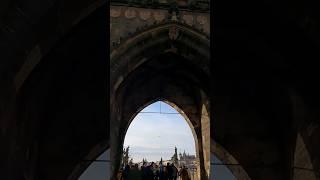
(263, 84)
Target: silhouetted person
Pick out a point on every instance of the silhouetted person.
(184, 173)
(150, 175)
(165, 173)
(147, 172)
(119, 175)
(144, 171)
(174, 172)
(134, 173)
(156, 172)
(170, 171)
(161, 172)
(125, 172)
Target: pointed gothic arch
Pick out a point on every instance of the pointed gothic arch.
(145, 68)
(179, 110)
(230, 162)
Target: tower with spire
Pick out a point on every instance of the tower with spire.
(174, 158)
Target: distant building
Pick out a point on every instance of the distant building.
(189, 161)
(174, 158)
(186, 159)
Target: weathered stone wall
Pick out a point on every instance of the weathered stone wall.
(303, 168)
(232, 164)
(130, 25)
(126, 21)
(59, 113)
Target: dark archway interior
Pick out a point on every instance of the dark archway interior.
(264, 79)
(62, 103)
(263, 87)
(167, 76)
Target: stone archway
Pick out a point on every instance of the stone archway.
(174, 106)
(194, 123)
(191, 124)
(56, 112)
(153, 42)
(304, 139)
(40, 48)
(88, 159)
(230, 162)
(302, 163)
(145, 67)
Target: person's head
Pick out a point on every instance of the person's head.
(168, 164)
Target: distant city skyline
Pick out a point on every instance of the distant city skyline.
(154, 160)
(154, 135)
(144, 142)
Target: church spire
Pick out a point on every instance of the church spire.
(175, 157)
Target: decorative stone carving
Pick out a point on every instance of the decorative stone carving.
(115, 12)
(201, 20)
(145, 14)
(130, 13)
(173, 33)
(188, 19)
(174, 16)
(206, 28)
(182, 2)
(158, 16)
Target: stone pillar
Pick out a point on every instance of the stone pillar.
(116, 139)
(202, 170)
(205, 131)
(11, 151)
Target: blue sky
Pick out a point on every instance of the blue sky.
(154, 135)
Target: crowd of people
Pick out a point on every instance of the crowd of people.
(153, 172)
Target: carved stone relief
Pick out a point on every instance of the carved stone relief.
(158, 16)
(188, 19)
(145, 14)
(173, 33)
(130, 13)
(115, 12)
(201, 20)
